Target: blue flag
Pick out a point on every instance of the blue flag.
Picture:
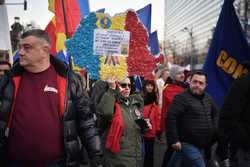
(228, 50)
(102, 10)
(138, 83)
(154, 43)
(16, 56)
(145, 16)
(62, 55)
(84, 7)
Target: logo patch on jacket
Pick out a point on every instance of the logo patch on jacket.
(50, 89)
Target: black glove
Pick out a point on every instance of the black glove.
(141, 122)
(97, 161)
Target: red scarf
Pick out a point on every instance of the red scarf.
(115, 131)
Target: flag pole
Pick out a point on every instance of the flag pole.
(65, 19)
(66, 29)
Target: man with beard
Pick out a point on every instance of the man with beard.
(191, 123)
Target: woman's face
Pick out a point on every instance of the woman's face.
(149, 88)
(180, 77)
(165, 75)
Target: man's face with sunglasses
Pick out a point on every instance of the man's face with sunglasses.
(3, 69)
(125, 88)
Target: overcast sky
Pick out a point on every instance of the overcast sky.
(38, 11)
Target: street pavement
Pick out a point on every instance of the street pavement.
(159, 152)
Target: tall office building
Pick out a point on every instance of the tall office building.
(243, 11)
(189, 25)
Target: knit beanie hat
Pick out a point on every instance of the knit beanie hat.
(174, 70)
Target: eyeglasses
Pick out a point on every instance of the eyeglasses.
(124, 85)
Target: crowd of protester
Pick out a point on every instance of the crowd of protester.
(47, 118)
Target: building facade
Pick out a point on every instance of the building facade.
(243, 10)
(189, 25)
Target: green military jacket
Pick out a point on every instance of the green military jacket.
(130, 154)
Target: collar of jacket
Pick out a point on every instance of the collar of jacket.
(136, 99)
(179, 83)
(127, 101)
(60, 67)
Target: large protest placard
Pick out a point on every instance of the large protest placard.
(111, 42)
(112, 46)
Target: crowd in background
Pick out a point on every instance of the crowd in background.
(114, 122)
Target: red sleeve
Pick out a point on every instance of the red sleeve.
(163, 110)
(146, 111)
(158, 117)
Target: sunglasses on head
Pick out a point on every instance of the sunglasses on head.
(124, 85)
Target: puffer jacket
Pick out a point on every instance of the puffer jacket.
(73, 105)
(130, 142)
(192, 119)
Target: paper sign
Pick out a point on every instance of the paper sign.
(111, 42)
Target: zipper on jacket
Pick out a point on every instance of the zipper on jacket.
(63, 116)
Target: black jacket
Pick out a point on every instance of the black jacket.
(77, 119)
(234, 120)
(191, 119)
